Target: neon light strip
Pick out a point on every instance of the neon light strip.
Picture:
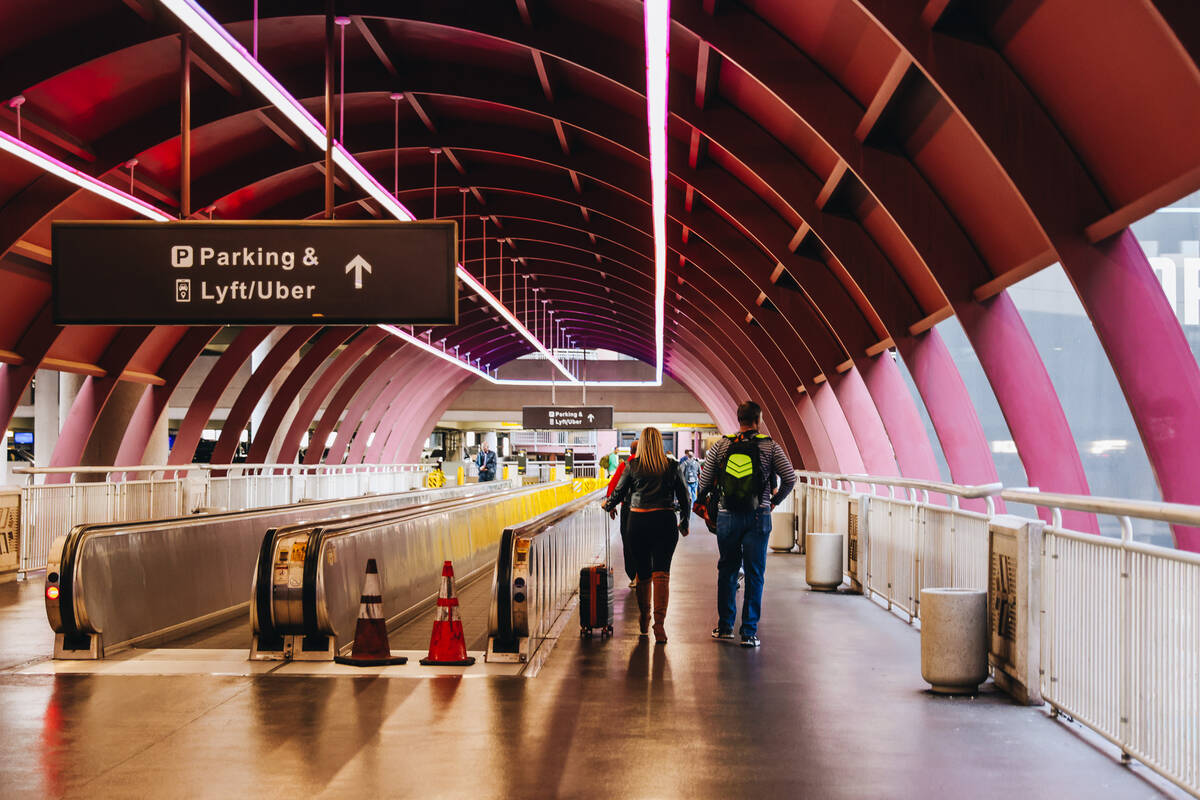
(213, 34)
(49, 163)
(658, 26)
(428, 348)
(480, 290)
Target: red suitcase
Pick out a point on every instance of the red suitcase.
(596, 595)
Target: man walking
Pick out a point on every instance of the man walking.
(486, 461)
(743, 467)
(689, 470)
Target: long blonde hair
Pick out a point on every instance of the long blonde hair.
(651, 456)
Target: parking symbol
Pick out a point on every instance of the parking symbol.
(183, 290)
(181, 255)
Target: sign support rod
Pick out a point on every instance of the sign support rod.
(329, 24)
(185, 123)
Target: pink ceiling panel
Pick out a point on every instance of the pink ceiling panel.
(1120, 87)
(836, 35)
(979, 194)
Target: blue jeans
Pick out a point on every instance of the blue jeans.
(692, 486)
(742, 541)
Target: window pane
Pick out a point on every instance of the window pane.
(1107, 439)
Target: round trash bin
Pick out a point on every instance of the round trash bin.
(823, 561)
(783, 537)
(954, 639)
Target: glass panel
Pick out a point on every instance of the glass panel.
(995, 428)
(943, 469)
(1111, 450)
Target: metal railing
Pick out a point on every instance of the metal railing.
(914, 543)
(525, 438)
(1119, 636)
(125, 494)
(537, 572)
(1121, 632)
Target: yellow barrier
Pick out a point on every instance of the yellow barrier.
(435, 479)
(460, 476)
(506, 472)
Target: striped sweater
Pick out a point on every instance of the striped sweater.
(775, 464)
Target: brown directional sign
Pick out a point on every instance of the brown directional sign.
(275, 273)
(540, 418)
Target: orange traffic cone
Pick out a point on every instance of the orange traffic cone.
(447, 646)
(370, 632)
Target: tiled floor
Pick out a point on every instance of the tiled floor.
(832, 706)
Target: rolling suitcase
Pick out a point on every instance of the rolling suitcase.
(596, 596)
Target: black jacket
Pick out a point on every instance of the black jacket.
(644, 490)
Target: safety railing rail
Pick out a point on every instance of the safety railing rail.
(1118, 633)
(537, 573)
(148, 491)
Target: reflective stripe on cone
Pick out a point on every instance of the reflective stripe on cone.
(370, 631)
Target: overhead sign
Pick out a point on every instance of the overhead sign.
(274, 273)
(540, 418)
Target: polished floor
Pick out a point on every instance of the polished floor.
(832, 706)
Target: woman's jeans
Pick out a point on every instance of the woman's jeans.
(742, 541)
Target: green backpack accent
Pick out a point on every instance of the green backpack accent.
(741, 478)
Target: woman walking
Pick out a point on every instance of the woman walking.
(652, 486)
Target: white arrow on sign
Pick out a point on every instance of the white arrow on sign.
(358, 264)
(591, 417)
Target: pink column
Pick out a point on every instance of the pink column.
(345, 393)
(311, 404)
(255, 387)
(865, 422)
(825, 456)
(1151, 359)
(1028, 400)
(328, 341)
(900, 417)
(951, 412)
(209, 394)
(366, 396)
(154, 401)
(845, 448)
(90, 402)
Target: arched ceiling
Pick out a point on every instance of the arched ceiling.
(843, 173)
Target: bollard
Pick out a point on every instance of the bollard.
(506, 472)
(823, 561)
(461, 479)
(954, 639)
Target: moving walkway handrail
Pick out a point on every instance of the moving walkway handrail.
(265, 623)
(512, 593)
(306, 608)
(167, 576)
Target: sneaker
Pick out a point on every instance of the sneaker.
(722, 633)
(749, 641)
(633, 583)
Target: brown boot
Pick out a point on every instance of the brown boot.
(662, 591)
(643, 598)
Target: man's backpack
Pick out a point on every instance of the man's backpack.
(740, 475)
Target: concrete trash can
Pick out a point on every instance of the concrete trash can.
(954, 639)
(783, 537)
(823, 561)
